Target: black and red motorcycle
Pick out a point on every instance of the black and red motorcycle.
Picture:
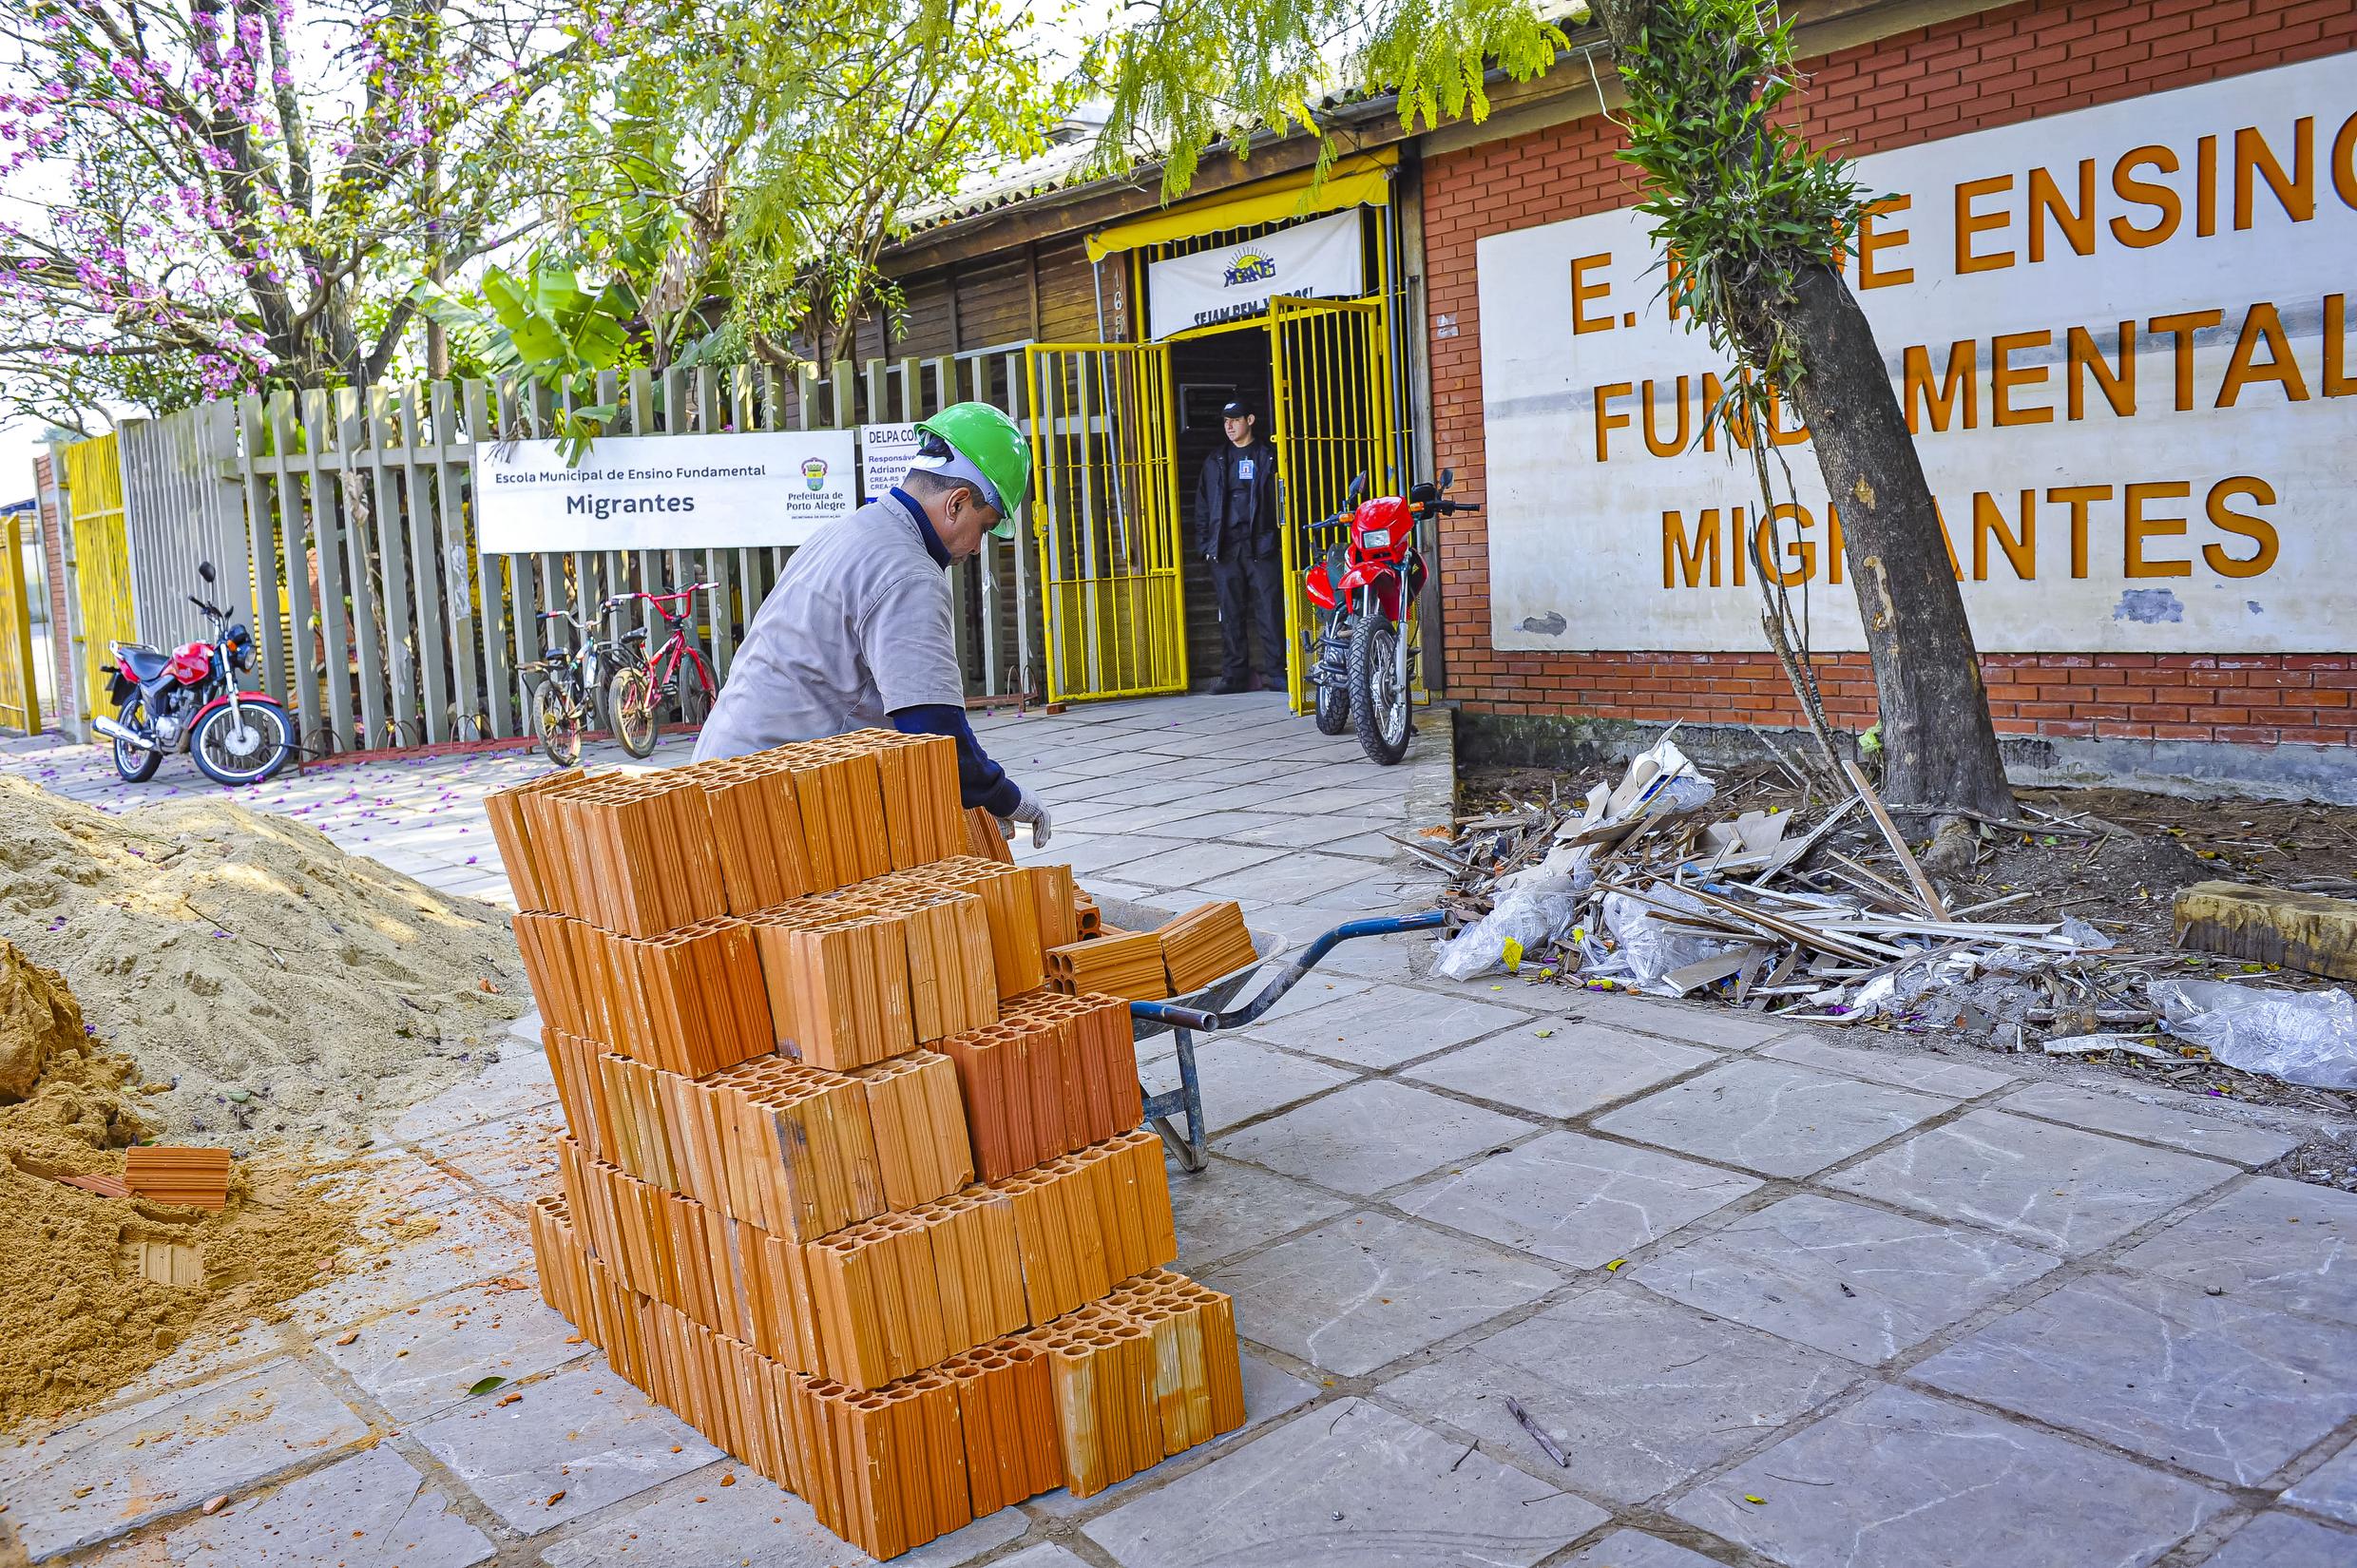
(1364, 662)
(189, 699)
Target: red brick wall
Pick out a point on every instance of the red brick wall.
(1997, 68)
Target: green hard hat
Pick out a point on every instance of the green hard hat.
(993, 445)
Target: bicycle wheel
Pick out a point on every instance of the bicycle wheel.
(695, 697)
(630, 705)
(558, 718)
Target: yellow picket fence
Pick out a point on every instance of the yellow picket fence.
(102, 558)
(20, 685)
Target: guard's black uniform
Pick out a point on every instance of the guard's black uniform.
(1235, 528)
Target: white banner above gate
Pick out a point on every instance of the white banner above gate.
(2124, 339)
(1320, 257)
(753, 490)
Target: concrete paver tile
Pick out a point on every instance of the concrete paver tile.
(440, 1237)
(1045, 1555)
(1407, 1498)
(1372, 1135)
(519, 1080)
(1630, 1549)
(1367, 1288)
(2050, 1186)
(1918, 1070)
(514, 1157)
(1579, 1201)
(1640, 1393)
(1242, 1078)
(1900, 1480)
(2195, 1132)
(2330, 1489)
(372, 1510)
(2222, 1387)
(2286, 1244)
(1858, 1281)
(2285, 1541)
(1384, 1025)
(1270, 1391)
(1559, 1068)
(1088, 853)
(583, 1433)
(1225, 1208)
(1190, 864)
(1771, 1116)
(117, 1471)
(417, 1363)
(697, 1522)
(1288, 877)
(1693, 1023)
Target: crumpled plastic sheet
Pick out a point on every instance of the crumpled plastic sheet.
(1645, 953)
(1528, 916)
(2301, 1037)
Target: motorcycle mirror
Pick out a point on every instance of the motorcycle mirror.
(1448, 477)
(1424, 495)
(1358, 489)
(204, 570)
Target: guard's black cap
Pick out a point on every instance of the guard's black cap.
(1237, 409)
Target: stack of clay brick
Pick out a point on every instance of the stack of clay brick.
(1182, 955)
(847, 1185)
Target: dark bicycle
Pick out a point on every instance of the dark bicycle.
(564, 702)
(636, 692)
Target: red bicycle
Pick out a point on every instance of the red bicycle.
(638, 690)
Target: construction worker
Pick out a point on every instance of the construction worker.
(1235, 529)
(857, 633)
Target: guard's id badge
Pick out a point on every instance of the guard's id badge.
(1246, 467)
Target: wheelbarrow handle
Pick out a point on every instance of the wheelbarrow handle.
(1202, 1022)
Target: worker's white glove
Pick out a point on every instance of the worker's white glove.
(1029, 810)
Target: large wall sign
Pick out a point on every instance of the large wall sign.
(2122, 335)
(1319, 257)
(662, 492)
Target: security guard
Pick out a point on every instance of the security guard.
(1235, 529)
(857, 633)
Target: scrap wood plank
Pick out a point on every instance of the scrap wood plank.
(1929, 894)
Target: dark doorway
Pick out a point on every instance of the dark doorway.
(1208, 371)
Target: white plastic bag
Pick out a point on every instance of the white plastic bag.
(1523, 915)
(2301, 1037)
(1646, 951)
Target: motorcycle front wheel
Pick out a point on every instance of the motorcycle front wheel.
(1378, 698)
(1334, 701)
(132, 765)
(557, 720)
(243, 745)
(630, 702)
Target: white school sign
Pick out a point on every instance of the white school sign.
(752, 490)
(2123, 336)
(1207, 287)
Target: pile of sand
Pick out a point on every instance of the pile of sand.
(80, 1316)
(265, 983)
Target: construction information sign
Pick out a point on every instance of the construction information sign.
(662, 492)
(2123, 339)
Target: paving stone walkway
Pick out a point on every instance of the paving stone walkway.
(1780, 1297)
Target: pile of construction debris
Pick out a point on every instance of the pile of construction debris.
(1651, 886)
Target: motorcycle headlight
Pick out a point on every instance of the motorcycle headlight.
(1376, 538)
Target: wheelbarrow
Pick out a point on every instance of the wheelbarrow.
(1208, 1010)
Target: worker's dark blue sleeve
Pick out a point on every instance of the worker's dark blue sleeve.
(981, 781)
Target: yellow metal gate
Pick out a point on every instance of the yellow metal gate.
(1106, 508)
(101, 558)
(1333, 371)
(20, 685)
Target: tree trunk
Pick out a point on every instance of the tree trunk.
(1938, 746)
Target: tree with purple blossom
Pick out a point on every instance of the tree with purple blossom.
(214, 195)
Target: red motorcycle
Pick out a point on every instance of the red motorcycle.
(190, 698)
(1368, 586)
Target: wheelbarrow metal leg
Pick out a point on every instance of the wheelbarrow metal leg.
(1185, 1101)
